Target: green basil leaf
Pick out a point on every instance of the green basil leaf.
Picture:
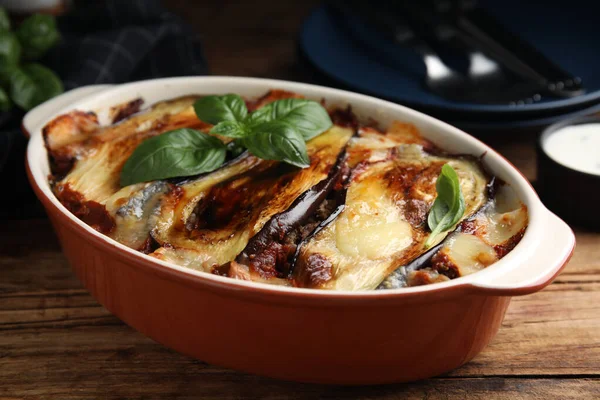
(260, 116)
(231, 129)
(181, 152)
(10, 51)
(37, 35)
(308, 117)
(278, 141)
(5, 103)
(449, 205)
(33, 84)
(4, 20)
(215, 109)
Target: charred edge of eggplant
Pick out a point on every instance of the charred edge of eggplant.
(340, 198)
(268, 252)
(398, 278)
(149, 245)
(123, 111)
(345, 117)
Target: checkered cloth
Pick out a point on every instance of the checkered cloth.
(115, 41)
(110, 41)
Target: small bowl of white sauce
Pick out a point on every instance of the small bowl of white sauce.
(569, 170)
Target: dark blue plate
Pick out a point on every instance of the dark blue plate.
(358, 57)
(535, 125)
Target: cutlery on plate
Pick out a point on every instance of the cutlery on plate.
(481, 30)
(483, 82)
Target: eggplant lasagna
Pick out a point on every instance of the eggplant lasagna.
(355, 219)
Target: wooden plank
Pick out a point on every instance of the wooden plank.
(585, 263)
(195, 381)
(31, 260)
(553, 332)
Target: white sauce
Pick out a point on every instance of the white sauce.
(576, 147)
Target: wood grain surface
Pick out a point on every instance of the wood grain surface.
(57, 342)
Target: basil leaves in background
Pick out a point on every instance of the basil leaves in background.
(181, 152)
(5, 103)
(30, 84)
(278, 131)
(4, 21)
(449, 205)
(10, 51)
(37, 35)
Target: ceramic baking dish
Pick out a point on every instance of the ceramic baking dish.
(290, 333)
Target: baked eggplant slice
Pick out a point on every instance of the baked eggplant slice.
(383, 223)
(207, 222)
(132, 209)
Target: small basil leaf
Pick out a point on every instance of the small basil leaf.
(308, 117)
(215, 109)
(10, 51)
(33, 84)
(23, 90)
(4, 20)
(182, 152)
(37, 35)
(278, 141)
(231, 129)
(5, 103)
(449, 205)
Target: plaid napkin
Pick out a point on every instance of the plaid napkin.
(109, 41)
(115, 41)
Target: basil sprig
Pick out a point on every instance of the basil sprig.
(278, 131)
(449, 205)
(26, 85)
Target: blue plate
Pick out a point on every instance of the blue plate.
(485, 127)
(360, 58)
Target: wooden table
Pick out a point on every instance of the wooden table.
(57, 342)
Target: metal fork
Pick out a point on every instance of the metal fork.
(484, 81)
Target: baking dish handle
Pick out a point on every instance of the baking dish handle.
(39, 115)
(547, 261)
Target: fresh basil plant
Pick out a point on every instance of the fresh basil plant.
(10, 51)
(449, 205)
(37, 35)
(278, 131)
(4, 21)
(30, 84)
